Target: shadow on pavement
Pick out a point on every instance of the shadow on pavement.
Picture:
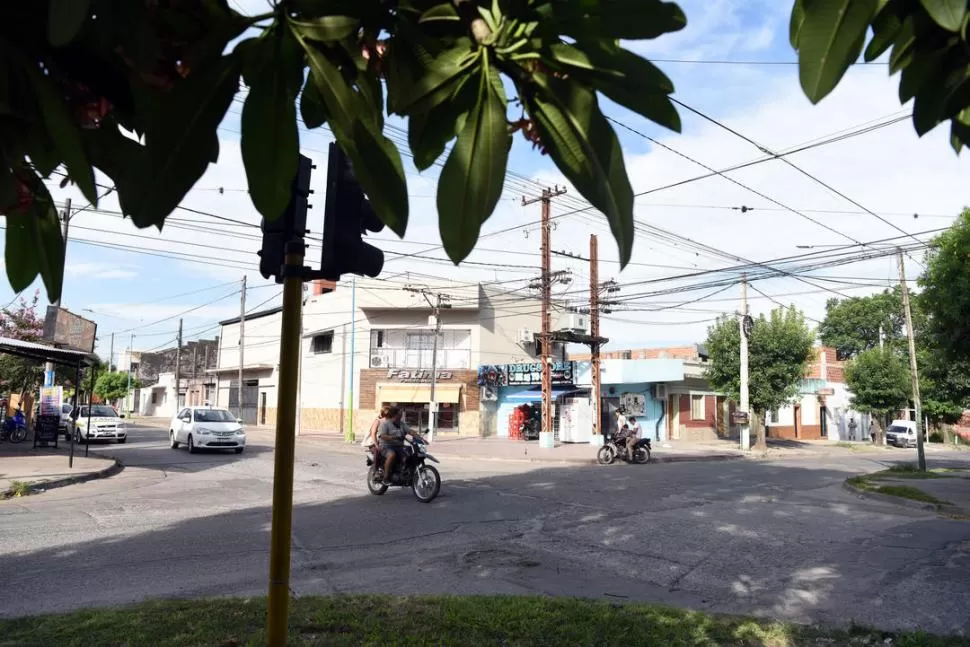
(745, 537)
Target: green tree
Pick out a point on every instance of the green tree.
(945, 296)
(78, 75)
(880, 383)
(17, 374)
(114, 386)
(852, 325)
(929, 50)
(779, 350)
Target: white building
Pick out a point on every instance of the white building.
(372, 344)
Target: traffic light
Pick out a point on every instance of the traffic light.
(291, 224)
(348, 216)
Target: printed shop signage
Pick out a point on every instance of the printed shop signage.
(527, 373)
(418, 375)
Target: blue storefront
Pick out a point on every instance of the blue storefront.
(507, 386)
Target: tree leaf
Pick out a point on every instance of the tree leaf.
(796, 22)
(63, 133)
(629, 19)
(830, 39)
(622, 76)
(441, 12)
(948, 14)
(270, 142)
(312, 108)
(471, 181)
(33, 241)
(436, 83)
(65, 19)
(885, 28)
(327, 29)
(376, 161)
(429, 132)
(586, 150)
(904, 47)
(180, 141)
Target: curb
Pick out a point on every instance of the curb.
(36, 487)
(888, 498)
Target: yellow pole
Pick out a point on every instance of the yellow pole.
(277, 621)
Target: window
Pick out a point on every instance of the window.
(775, 417)
(697, 407)
(154, 397)
(322, 343)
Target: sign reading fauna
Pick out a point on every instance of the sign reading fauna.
(420, 375)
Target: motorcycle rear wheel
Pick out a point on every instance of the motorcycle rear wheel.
(18, 435)
(427, 484)
(641, 455)
(374, 483)
(606, 455)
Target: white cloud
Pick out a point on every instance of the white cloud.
(103, 271)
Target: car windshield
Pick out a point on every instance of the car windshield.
(899, 429)
(213, 415)
(99, 412)
(66, 408)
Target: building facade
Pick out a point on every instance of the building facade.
(155, 373)
(260, 334)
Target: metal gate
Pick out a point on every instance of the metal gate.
(250, 402)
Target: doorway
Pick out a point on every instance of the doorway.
(797, 419)
(673, 416)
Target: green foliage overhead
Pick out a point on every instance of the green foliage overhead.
(945, 296)
(779, 350)
(114, 386)
(879, 381)
(852, 325)
(927, 45)
(76, 76)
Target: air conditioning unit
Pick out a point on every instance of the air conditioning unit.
(379, 361)
(526, 336)
(659, 391)
(574, 322)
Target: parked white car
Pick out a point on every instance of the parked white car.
(105, 424)
(207, 428)
(901, 433)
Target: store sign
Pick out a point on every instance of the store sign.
(531, 373)
(418, 375)
(64, 328)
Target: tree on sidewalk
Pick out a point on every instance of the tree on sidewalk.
(880, 384)
(852, 325)
(945, 296)
(111, 387)
(779, 351)
(20, 375)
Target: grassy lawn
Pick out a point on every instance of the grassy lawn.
(433, 620)
(870, 482)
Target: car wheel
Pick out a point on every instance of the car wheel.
(121, 441)
(78, 439)
(174, 444)
(239, 450)
(191, 445)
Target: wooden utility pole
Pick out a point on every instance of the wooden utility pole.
(594, 331)
(242, 344)
(178, 366)
(914, 373)
(545, 335)
(745, 398)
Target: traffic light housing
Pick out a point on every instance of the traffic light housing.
(347, 218)
(291, 225)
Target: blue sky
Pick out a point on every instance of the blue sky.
(114, 270)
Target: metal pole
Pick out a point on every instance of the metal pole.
(178, 366)
(745, 400)
(77, 407)
(914, 373)
(90, 406)
(349, 432)
(282, 528)
(111, 355)
(594, 330)
(433, 405)
(343, 376)
(131, 352)
(242, 344)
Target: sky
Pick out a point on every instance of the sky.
(732, 63)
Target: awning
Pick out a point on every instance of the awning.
(535, 395)
(399, 393)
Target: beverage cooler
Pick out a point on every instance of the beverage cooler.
(575, 420)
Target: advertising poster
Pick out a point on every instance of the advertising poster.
(51, 399)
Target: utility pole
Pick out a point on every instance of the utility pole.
(745, 398)
(131, 355)
(178, 366)
(882, 338)
(904, 288)
(545, 336)
(242, 344)
(594, 331)
(343, 374)
(111, 355)
(440, 301)
(65, 226)
(349, 435)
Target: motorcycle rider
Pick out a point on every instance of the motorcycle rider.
(391, 434)
(632, 436)
(371, 439)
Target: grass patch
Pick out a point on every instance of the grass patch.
(18, 489)
(432, 620)
(866, 483)
(909, 492)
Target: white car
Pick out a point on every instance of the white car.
(207, 428)
(105, 424)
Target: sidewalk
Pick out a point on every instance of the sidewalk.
(45, 467)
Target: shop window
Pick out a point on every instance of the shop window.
(697, 407)
(322, 343)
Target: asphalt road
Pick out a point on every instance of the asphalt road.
(779, 539)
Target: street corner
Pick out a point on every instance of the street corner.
(942, 490)
(32, 471)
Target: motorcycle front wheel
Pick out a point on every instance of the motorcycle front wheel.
(641, 455)
(605, 455)
(18, 435)
(374, 483)
(427, 484)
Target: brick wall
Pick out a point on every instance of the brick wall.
(834, 368)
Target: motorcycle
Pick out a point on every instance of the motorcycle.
(529, 429)
(411, 472)
(14, 428)
(611, 450)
